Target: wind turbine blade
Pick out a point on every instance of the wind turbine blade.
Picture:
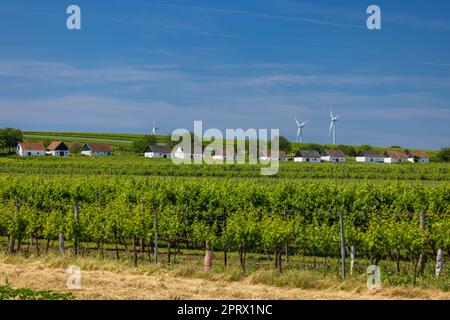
(331, 128)
(304, 123)
(298, 132)
(296, 121)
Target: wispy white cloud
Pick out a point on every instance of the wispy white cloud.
(264, 15)
(414, 21)
(436, 64)
(57, 72)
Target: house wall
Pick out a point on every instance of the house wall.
(57, 153)
(369, 159)
(333, 159)
(422, 160)
(306, 160)
(27, 153)
(394, 160)
(96, 154)
(157, 155)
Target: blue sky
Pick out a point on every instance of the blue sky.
(232, 64)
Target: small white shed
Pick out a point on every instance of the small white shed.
(27, 149)
(311, 156)
(156, 151)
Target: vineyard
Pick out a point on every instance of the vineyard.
(287, 223)
(138, 166)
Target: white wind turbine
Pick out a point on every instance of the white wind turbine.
(154, 129)
(333, 126)
(300, 129)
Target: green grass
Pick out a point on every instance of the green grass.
(9, 293)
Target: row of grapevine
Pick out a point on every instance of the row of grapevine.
(382, 220)
(164, 167)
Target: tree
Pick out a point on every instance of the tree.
(365, 147)
(444, 155)
(139, 146)
(284, 144)
(75, 147)
(9, 137)
(348, 150)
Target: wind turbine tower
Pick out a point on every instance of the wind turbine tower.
(333, 126)
(154, 129)
(300, 129)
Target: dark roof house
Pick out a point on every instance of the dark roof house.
(398, 154)
(97, 147)
(418, 154)
(334, 153)
(307, 154)
(57, 145)
(159, 149)
(370, 154)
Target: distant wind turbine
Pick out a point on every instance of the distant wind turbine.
(333, 126)
(154, 129)
(300, 129)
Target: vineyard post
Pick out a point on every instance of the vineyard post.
(16, 213)
(439, 262)
(156, 236)
(352, 258)
(225, 258)
(286, 245)
(422, 256)
(341, 218)
(61, 243)
(77, 222)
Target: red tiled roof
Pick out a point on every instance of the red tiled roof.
(30, 145)
(419, 154)
(99, 147)
(57, 145)
(395, 154)
(335, 153)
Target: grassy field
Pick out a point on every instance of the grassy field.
(109, 279)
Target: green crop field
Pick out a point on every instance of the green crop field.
(234, 210)
(113, 208)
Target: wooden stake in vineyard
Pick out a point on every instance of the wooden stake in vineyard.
(208, 257)
(156, 236)
(341, 218)
(422, 257)
(61, 243)
(439, 263)
(77, 224)
(225, 257)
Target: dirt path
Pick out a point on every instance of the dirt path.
(126, 285)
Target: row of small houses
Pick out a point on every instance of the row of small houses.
(60, 149)
(313, 156)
